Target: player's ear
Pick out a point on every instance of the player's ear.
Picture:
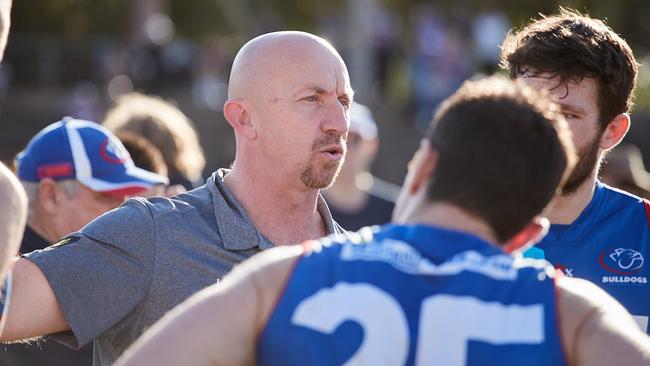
(238, 116)
(529, 235)
(422, 165)
(615, 131)
(414, 188)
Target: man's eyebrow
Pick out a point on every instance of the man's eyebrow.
(570, 108)
(312, 89)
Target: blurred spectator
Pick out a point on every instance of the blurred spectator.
(624, 169)
(72, 171)
(489, 28)
(167, 128)
(148, 157)
(358, 199)
(439, 63)
(144, 154)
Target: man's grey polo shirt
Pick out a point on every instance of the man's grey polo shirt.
(130, 266)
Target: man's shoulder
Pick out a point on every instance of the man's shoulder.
(195, 200)
(623, 207)
(616, 198)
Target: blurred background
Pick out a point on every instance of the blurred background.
(75, 57)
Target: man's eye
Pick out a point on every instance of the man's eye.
(570, 115)
(344, 101)
(311, 98)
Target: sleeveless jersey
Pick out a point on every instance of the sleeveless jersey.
(607, 245)
(413, 295)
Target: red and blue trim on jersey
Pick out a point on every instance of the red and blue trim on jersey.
(609, 245)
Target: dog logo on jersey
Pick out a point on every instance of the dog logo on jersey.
(625, 263)
(114, 152)
(621, 261)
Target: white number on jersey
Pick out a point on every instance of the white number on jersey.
(446, 324)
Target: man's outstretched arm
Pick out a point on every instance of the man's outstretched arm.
(219, 325)
(13, 214)
(33, 308)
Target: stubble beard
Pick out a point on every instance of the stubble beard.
(318, 176)
(588, 160)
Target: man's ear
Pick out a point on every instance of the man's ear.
(529, 235)
(421, 167)
(48, 197)
(239, 118)
(615, 131)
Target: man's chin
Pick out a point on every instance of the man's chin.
(322, 179)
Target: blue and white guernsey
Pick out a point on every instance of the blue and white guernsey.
(607, 245)
(413, 295)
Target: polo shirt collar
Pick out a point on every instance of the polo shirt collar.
(236, 229)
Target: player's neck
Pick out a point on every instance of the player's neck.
(452, 217)
(283, 215)
(564, 210)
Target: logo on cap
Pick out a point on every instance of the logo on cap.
(113, 153)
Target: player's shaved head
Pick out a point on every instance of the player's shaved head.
(270, 56)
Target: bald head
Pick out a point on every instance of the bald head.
(12, 217)
(274, 55)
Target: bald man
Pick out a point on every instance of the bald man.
(288, 103)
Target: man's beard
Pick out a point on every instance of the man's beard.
(587, 161)
(322, 177)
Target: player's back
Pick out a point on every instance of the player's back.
(413, 295)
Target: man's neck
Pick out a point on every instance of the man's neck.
(452, 217)
(283, 215)
(564, 210)
(42, 229)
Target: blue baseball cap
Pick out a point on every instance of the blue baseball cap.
(87, 152)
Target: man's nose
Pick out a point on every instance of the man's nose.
(337, 119)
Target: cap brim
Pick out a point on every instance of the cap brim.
(133, 181)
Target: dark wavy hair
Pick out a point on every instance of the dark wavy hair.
(503, 151)
(572, 46)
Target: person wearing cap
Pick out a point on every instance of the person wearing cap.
(73, 171)
(357, 198)
(126, 269)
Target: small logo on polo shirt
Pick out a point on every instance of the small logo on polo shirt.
(623, 262)
(67, 240)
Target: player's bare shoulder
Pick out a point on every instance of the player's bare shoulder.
(589, 319)
(269, 272)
